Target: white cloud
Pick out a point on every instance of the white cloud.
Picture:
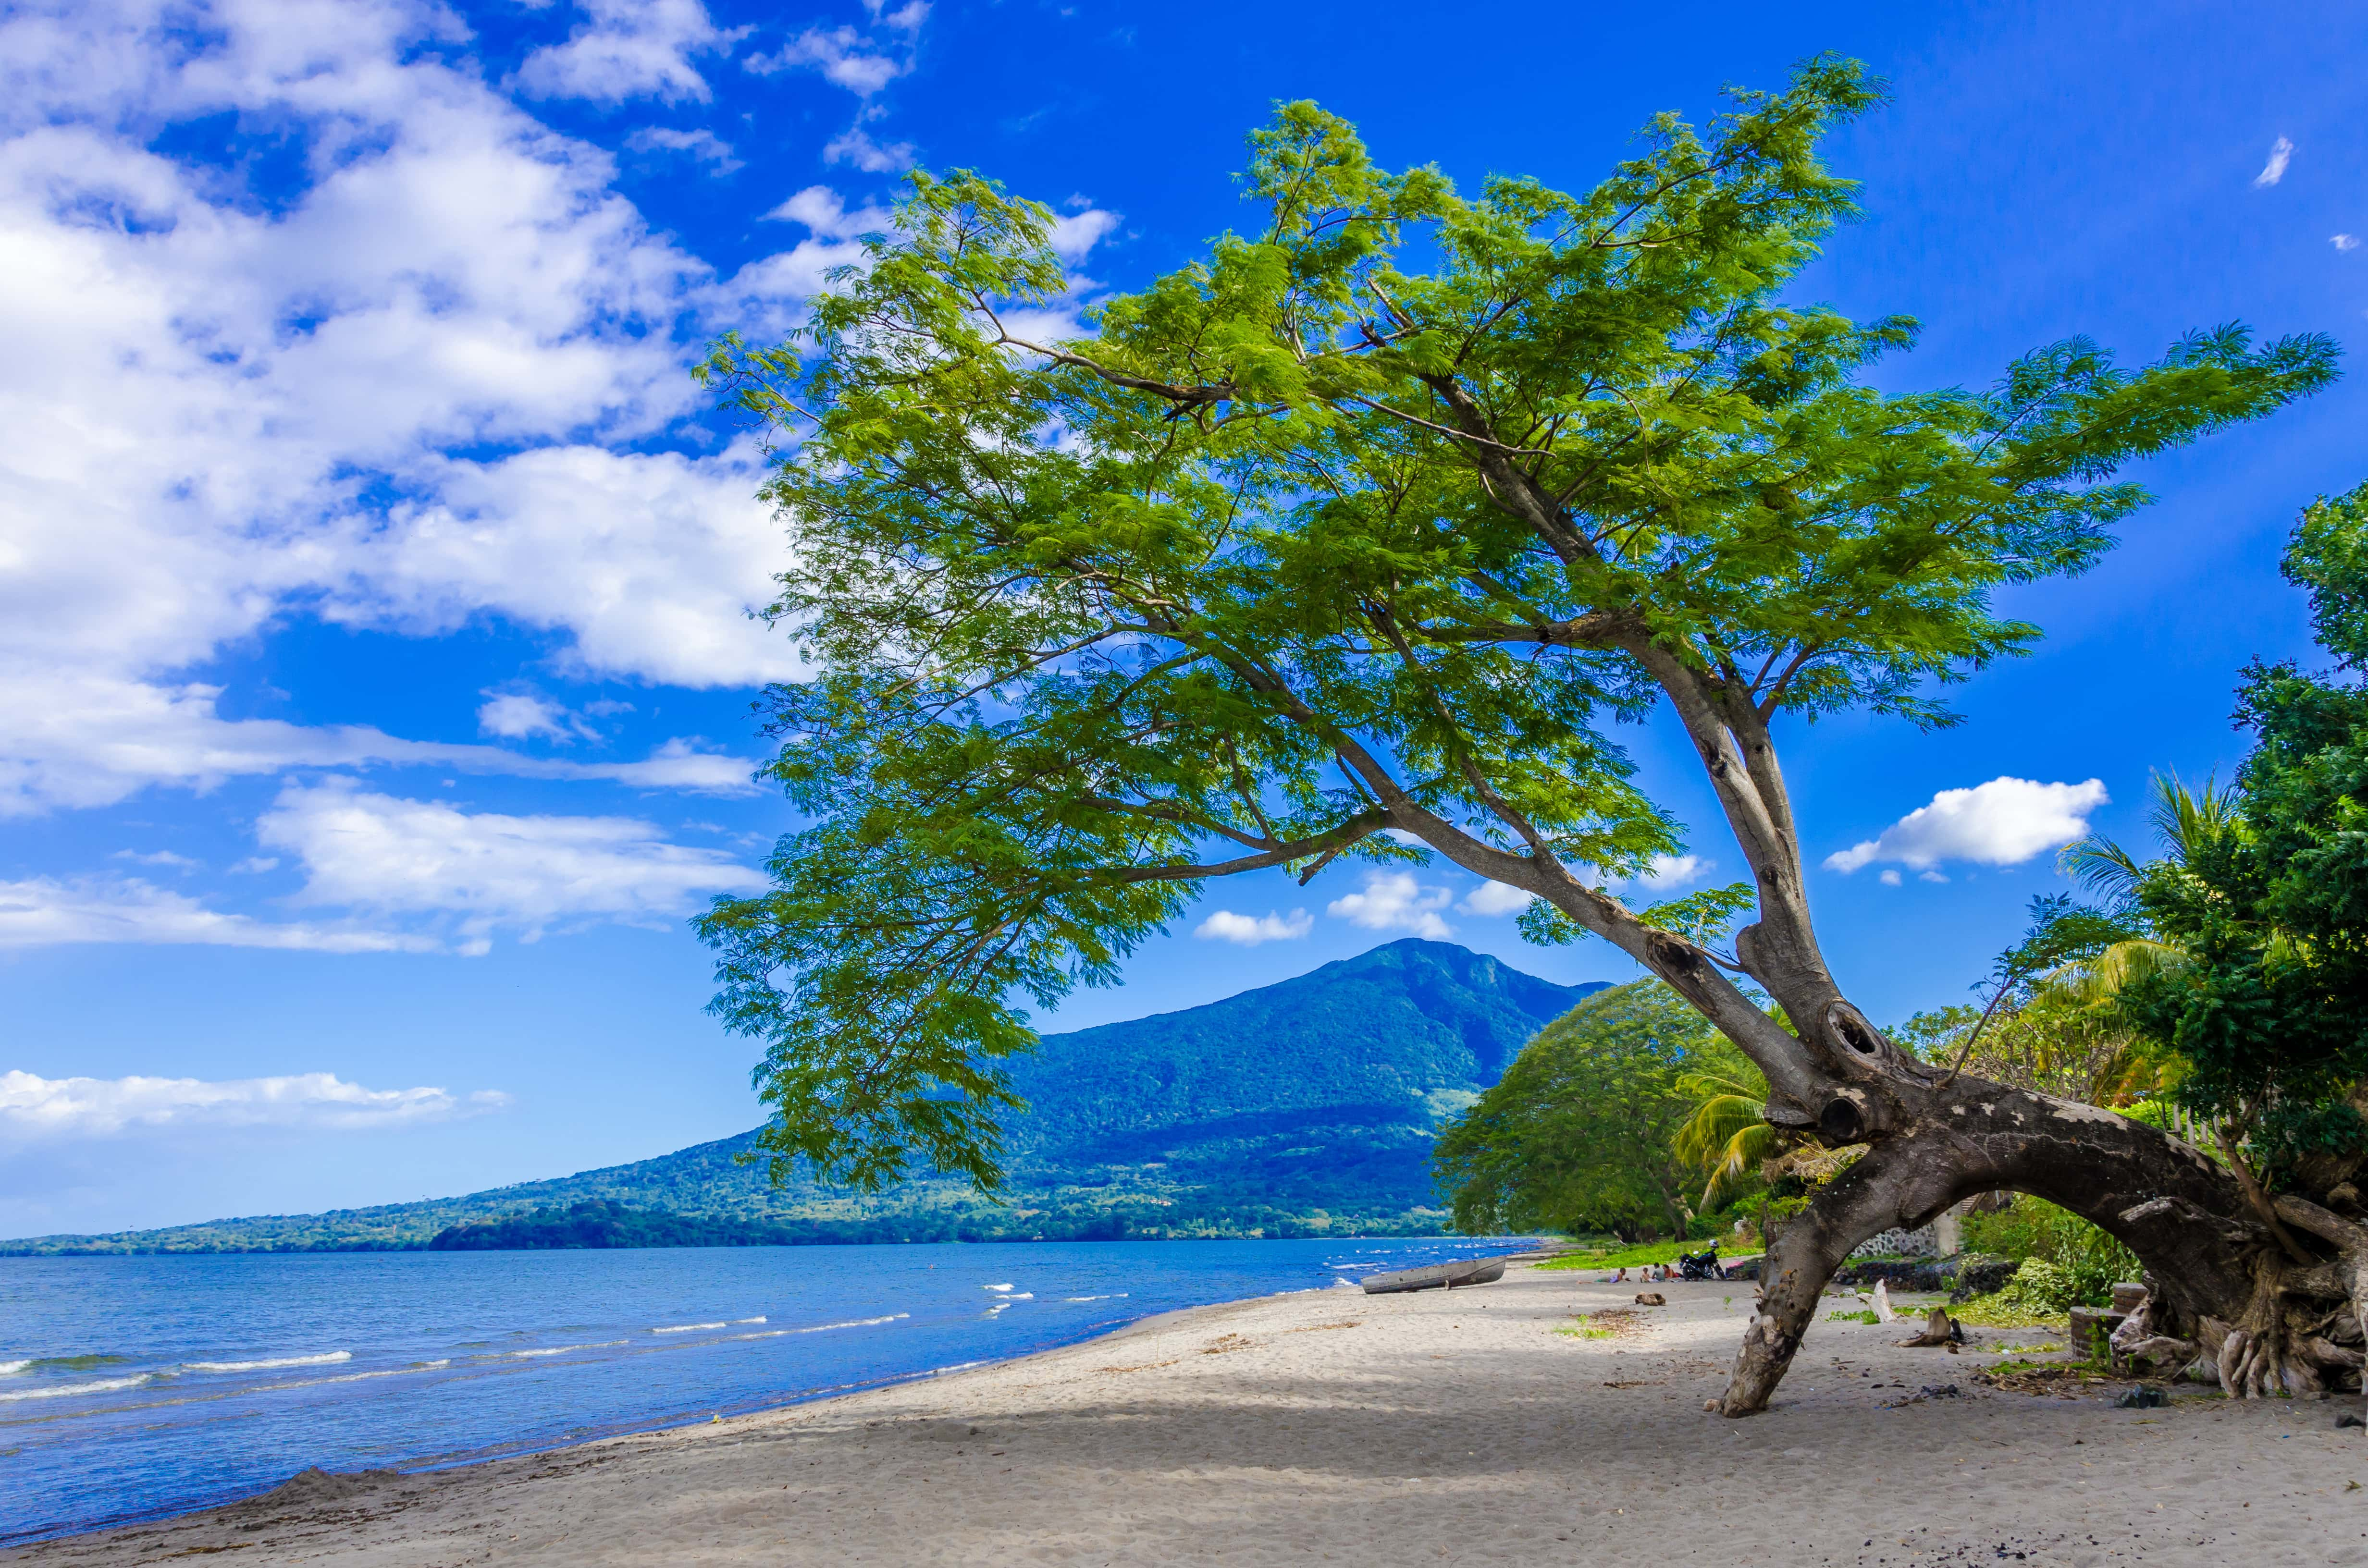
(1664, 873)
(45, 912)
(1496, 898)
(2003, 823)
(629, 49)
(75, 741)
(209, 395)
(2344, 242)
(703, 144)
(1394, 901)
(2280, 154)
(33, 1107)
(854, 145)
(1889, 878)
(1249, 930)
(841, 54)
(1079, 233)
(255, 865)
(481, 872)
(905, 18)
(517, 716)
(825, 212)
(156, 858)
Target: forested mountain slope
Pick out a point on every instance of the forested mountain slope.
(1305, 1106)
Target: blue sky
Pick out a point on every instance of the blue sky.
(375, 675)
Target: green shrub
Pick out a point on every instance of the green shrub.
(2081, 1263)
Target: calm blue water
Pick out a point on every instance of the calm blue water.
(134, 1386)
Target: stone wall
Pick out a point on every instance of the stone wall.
(1918, 1243)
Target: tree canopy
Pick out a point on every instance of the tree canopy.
(2266, 1008)
(1580, 1133)
(1352, 540)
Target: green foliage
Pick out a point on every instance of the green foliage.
(1627, 1256)
(1728, 1133)
(1863, 1315)
(1578, 1134)
(2069, 1261)
(2266, 905)
(1379, 516)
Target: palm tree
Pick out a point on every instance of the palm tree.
(1729, 1134)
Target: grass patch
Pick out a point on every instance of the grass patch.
(2004, 1309)
(1867, 1315)
(1649, 1252)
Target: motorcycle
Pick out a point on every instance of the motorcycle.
(1700, 1265)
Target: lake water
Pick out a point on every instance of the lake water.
(136, 1386)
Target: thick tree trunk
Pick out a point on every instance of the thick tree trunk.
(2220, 1284)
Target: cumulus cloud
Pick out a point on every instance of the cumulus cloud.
(517, 716)
(2280, 154)
(33, 1107)
(2344, 242)
(1079, 233)
(704, 145)
(854, 145)
(479, 872)
(841, 54)
(45, 912)
(1394, 901)
(2003, 823)
(1665, 873)
(1496, 898)
(1249, 930)
(905, 18)
(629, 49)
(223, 410)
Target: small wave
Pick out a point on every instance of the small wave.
(321, 1360)
(851, 1323)
(104, 1386)
(688, 1327)
(749, 1320)
(1113, 1296)
(957, 1367)
(554, 1350)
(1005, 1286)
(61, 1364)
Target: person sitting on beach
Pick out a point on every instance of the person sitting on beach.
(1620, 1277)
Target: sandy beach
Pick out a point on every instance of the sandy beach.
(1331, 1427)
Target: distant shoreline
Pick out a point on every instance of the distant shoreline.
(14, 1250)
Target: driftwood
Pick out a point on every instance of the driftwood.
(1882, 1313)
(1939, 1329)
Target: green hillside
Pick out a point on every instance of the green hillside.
(1307, 1107)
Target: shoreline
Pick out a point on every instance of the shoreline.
(167, 1516)
(1488, 1424)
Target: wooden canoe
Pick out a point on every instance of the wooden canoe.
(1437, 1276)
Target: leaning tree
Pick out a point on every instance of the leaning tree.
(1348, 541)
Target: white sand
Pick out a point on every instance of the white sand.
(1337, 1427)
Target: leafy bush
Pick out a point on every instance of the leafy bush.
(2079, 1262)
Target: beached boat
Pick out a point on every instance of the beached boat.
(1470, 1271)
